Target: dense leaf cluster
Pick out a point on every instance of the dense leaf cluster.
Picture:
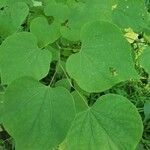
(75, 74)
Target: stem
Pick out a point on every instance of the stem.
(73, 86)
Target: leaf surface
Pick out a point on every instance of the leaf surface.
(36, 115)
(45, 33)
(11, 18)
(20, 56)
(59, 11)
(145, 59)
(147, 110)
(104, 60)
(80, 101)
(112, 123)
(130, 14)
(82, 13)
(1, 106)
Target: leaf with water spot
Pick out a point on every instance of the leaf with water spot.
(104, 60)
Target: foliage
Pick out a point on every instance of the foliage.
(75, 75)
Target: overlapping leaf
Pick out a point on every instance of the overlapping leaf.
(104, 60)
(81, 13)
(36, 115)
(20, 56)
(80, 101)
(113, 123)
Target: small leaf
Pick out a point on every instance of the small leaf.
(37, 116)
(59, 11)
(112, 123)
(144, 59)
(104, 60)
(20, 56)
(45, 33)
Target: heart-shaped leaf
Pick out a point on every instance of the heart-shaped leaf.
(36, 115)
(44, 32)
(104, 60)
(112, 123)
(25, 58)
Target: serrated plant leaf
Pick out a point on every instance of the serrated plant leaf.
(104, 60)
(39, 113)
(25, 58)
(45, 33)
(112, 123)
(11, 18)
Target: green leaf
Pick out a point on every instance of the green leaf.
(45, 33)
(11, 18)
(1, 106)
(82, 13)
(59, 11)
(144, 59)
(104, 60)
(4, 3)
(64, 83)
(36, 115)
(130, 14)
(112, 123)
(147, 110)
(20, 56)
(29, 2)
(80, 101)
(55, 53)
